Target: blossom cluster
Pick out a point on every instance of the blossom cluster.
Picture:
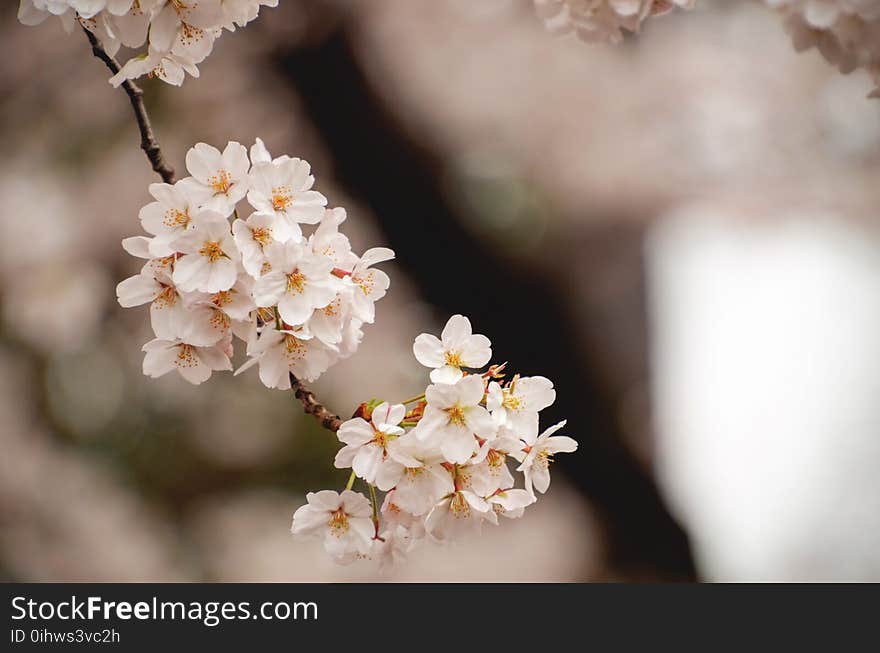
(846, 32)
(603, 21)
(441, 458)
(297, 302)
(179, 34)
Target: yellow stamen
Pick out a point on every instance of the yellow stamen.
(176, 218)
(338, 523)
(221, 298)
(459, 507)
(212, 250)
(295, 349)
(282, 198)
(296, 282)
(456, 415)
(186, 356)
(495, 458)
(262, 235)
(332, 309)
(221, 182)
(511, 401)
(166, 298)
(365, 283)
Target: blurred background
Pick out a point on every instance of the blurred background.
(681, 232)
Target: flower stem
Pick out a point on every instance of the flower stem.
(413, 399)
(350, 480)
(375, 503)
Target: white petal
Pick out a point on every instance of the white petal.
(456, 331)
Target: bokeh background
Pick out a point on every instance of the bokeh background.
(680, 231)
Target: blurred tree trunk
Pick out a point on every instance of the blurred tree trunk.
(525, 313)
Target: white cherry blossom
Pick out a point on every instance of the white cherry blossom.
(370, 284)
(330, 242)
(241, 12)
(342, 521)
(186, 28)
(170, 216)
(167, 66)
(487, 475)
(283, 188)
(280, 353)
(457, 347)
(168, 315)
(535, 464)
(603, 21)
(209, 260)
(453, 417)
(460, 513)
(368, 445)
(221, 178)
(195, 364)
(253, 236)
(517, 404)
(511, 503)
(298, 282)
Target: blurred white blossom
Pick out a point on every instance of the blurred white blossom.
(846, 32)
(603, 21)
(178, 34)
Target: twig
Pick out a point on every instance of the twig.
(314, 407)
(151, 148)
(148, 141)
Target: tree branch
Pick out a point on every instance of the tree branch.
(149, 144)
(314, 407)
(151, 148)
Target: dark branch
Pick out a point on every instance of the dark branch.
(148, 141)
(313, 407)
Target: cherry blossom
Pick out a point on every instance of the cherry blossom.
(280, 353)
(442, 459)
(209, 255)
(603, 21)
(511, 503)
(370, 283)
(253, 236)
(298, 282)
(368, 446)
(221, 179)
(535, 465)
(453, 417)
(341, 520)
(186, 28)
(460, 513)
(291, 300)
(194, 363)
(517, 405)
(299, 302)
(283, 189)
(169, 216)
(457, 347)
(172, 36)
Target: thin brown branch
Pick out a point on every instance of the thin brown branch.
(149, 144)
(151, 148)
(313, 407)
